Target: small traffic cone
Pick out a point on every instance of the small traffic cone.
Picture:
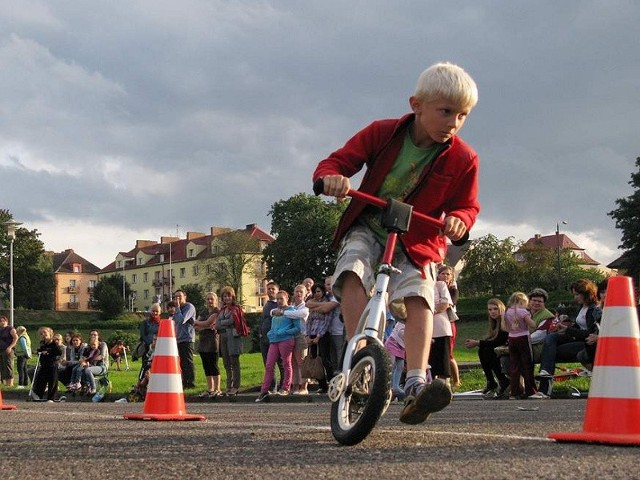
(5, 407)
(613, 408)
(165, 398)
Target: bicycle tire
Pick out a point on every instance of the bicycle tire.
(360, 406)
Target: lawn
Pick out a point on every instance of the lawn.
(252, 368)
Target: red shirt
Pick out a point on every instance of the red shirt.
(447, 187)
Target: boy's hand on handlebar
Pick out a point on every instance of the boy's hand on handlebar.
(454, 228)
(336, 186)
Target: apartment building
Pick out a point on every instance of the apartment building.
(154, 270)
(74, 281)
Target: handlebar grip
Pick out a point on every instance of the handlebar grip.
(318, 186)
(461, 241)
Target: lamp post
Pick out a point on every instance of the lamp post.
(11, 233)
(558, 250)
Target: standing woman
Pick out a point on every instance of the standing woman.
(208, 345)
(497, 381)
(299, 312)
(231, 341)
(46, 377)
(447, 275)
(23, 354)
(8, 340)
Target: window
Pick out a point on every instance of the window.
(146, 294)
(183, 272)
(191, 253)
(261, 301)
(92, 283)
(145, 277)
(157, 275)
(139, 261)
(77, 268)
(73, 299)
(72, 283)
(134, 278)
(194, 271)
(208, 270)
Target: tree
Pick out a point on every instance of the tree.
(108, 295)
(195, 295)
(233, 254)
(501, 267)
(32, 269)
(627, 217)
(490, 266)
(303, 226)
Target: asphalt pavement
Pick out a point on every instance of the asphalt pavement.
(292, 439)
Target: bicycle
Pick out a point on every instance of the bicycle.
(361, 392)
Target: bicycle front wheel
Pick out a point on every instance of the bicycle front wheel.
(360, 406)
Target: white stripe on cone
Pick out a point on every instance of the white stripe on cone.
(620, 322)
(166, 346)
(615, 382)
(165, 383)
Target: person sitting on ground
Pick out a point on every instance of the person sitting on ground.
(587, 355)
(92, 364)
(46, 375)
(71, 358)
(281, 344)
(567, 341)
(117, 352)
(489, 360)
(543, 318)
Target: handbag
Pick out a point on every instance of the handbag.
(312, 367)
(453, 316)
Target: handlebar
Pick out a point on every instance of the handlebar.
(318, 188)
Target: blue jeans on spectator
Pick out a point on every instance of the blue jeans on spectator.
(558, 347)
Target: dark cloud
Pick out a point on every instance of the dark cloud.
(150, 114)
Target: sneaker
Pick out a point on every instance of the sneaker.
(20, 387)
(262, 397)
(34, 396)
(544, 374)
(539, 396)
(422, 402)
(74, 386)
(301, 392)
(283, 393)
(205, 394)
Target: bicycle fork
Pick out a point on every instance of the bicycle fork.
(370, 330)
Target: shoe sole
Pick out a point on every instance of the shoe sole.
(433, 398)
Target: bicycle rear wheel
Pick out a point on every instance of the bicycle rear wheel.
(360, 406)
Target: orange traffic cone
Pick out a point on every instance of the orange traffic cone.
(613, 408)
(165, 398)
(5, 407)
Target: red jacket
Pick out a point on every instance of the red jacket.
(448, 186)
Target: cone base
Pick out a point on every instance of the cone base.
(588, 437)
(163, 417)
(8, 407)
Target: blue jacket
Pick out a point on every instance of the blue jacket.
(283, 328)
(184, 319)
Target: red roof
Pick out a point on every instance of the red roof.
(551, 241)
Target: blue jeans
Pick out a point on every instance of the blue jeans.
(557, 348)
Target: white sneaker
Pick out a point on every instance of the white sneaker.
(20, 387)
(544, 373)
(34, 396)
(539, 396)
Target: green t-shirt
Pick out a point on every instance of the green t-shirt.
(400, 181)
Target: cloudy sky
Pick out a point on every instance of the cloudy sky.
(132, 120)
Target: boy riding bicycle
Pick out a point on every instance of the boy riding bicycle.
(417, 159)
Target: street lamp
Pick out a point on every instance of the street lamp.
(11, 233)
(558, 250)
